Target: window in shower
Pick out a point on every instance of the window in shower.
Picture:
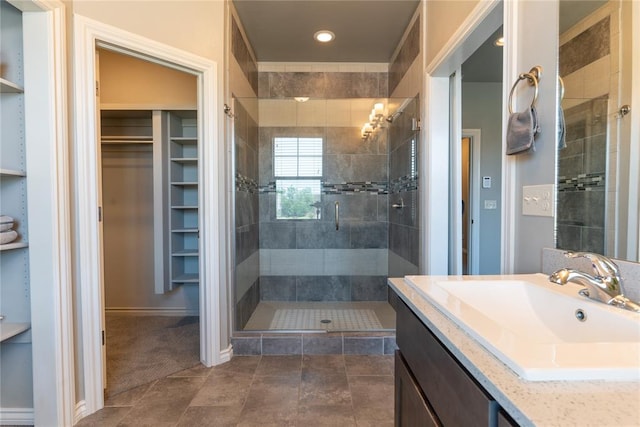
(297, 164)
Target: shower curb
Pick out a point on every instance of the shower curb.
(288, 343)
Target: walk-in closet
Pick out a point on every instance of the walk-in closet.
(150, 219)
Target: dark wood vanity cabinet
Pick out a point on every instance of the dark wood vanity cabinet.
(411, 408)
(432, 388)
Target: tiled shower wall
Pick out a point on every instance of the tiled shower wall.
(403, 193)
(581, 178)
(246, 214)
(590, 67)
(311, 260)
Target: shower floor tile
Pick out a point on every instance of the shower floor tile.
(344, 316)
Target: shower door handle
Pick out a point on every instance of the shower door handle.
(337, 208)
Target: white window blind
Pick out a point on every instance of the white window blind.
(297, 167)
(297, 157)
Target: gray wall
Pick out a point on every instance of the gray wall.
(482, 109)
(533, 233)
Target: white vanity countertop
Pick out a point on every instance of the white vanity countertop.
(540, 403)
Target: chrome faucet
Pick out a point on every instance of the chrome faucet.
(604, 286)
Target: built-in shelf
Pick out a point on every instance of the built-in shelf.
(9, 87)
(10, 330)
(12, 172)
(183, 196)
(186, 278)
(128, 139)
(184, 207)
(10, 246)
(188, 252)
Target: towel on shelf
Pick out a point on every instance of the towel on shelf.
(6, 223)
(7, 237)
(522, 129)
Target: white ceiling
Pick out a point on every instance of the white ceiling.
(366, 30)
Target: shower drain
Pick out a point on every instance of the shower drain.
(325, 321)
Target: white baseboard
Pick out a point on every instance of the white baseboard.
(17, 416)
(226, 354)
(81, 412)
(151, 311)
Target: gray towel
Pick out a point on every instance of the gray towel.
(522, 129)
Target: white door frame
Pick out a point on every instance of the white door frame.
(87, 33)
(474, 198)
(483, 20)
(455, 171)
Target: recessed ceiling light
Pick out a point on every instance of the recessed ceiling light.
(499, 41)
(324, 36)
(301, 98)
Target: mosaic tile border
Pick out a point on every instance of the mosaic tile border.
(582, 182)
(370, 187)
(403, 184)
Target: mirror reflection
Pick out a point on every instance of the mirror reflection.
(590, 194)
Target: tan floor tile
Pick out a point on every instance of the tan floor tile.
(223, 388)
(373, 398)
(164, 403)
(369, 365)
(279, 366)
(129, 397)
(241, 364)
(210, 416)
(197, 371)
(333, 364)
(107, 417)
(326, 415)
(318, 388)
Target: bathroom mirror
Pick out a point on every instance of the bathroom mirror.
(593, 167)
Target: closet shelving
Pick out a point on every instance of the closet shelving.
(7, 86)
(173, 136)
(183, 211)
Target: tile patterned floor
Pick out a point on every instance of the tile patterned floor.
(334, 390)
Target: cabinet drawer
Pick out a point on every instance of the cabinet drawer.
(454, 396)
(411, 409)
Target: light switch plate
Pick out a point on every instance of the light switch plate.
(539, 200)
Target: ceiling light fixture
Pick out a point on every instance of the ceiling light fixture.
(301, 98)
(499, 41)
(324, 36)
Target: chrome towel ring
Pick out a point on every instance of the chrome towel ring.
(533, 76)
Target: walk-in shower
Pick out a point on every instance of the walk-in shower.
(326, 209)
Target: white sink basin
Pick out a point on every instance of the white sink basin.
(530, 324)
